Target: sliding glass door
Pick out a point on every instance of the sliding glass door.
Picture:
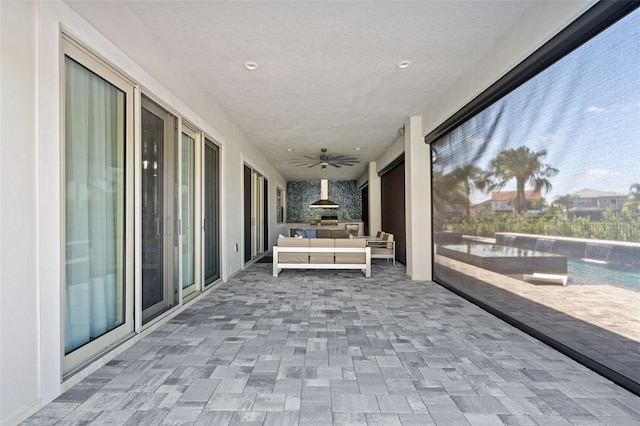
(157, 210)
(211, 223)
(97, 228)
(164, 226)
(255, 214)
(265, 216)
(248, 213)
(188, 214)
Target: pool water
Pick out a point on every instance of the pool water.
(586, 273)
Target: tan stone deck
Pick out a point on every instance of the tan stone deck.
(611, 308)
(600, 322)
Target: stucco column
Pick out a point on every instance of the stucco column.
(418, 201)
(20, 296)
(375, 200)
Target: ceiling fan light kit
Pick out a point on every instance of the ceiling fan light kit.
(324, 160)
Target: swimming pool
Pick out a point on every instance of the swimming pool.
(587, 273)
(579, 271)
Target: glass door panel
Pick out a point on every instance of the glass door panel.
(156, 210)
(248, 210)
(97, 286)
(188, 212)
(265, 216)
(152, 209)
(176, 218)
(255, 216)
(211, 223)
(94, 206)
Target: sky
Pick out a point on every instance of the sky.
(584, 110)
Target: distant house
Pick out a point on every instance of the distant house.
(504, 201)
(475, 208)
(592, 203)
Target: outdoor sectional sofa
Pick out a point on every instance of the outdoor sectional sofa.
(383, 247)
(322, 253)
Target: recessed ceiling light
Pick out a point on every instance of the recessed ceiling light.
(357, 148)
(251, 66)
(403, 64)
(289, 149)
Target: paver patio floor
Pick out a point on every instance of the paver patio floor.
(331, 347)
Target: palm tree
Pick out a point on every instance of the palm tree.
(470, 177)
(634, 192)
(525, 166)
(447, 195)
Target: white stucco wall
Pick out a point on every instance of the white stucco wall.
(390, 154)
(19, 349)
(417, 202)
(375, 201)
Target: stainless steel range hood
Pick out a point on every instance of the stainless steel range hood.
(324, 202)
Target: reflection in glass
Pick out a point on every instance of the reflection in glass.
(152, 209)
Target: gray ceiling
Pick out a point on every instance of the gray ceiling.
(327, 74)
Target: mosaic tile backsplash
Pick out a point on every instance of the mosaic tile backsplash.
(301, 193)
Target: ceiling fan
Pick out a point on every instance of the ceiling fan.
(324, 160)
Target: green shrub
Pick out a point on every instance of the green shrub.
(616, 225)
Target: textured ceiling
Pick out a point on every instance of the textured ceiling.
(327, 76)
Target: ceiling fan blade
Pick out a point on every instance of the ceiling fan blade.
(347, 159)
(337, 166)
(313, 165)
(308, 156)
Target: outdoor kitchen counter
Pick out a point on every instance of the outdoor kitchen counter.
(308, 225)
